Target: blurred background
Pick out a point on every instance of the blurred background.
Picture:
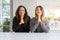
(4, 15)
(8, 9)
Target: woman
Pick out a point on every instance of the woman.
(39, 22)
(21, 20)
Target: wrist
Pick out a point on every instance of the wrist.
(21, 23)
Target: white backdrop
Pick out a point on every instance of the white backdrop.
(31, 4)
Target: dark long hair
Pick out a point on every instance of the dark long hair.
(26, 17)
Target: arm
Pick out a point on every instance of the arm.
(45, 26)
(15, 26)
(33, 25)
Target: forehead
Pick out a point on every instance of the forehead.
(21, 8)
(38, 8)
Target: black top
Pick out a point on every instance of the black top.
(20, 28)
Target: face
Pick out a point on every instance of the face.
(21, 11)
(38, 11)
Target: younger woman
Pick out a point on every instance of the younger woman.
(39, 22)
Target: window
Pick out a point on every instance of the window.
(5, 15)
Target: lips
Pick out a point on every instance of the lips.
(38, 12)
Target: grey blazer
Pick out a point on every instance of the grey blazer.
(38, 27)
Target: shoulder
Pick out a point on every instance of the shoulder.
(33, 19)
(28, 17)
(14, 18)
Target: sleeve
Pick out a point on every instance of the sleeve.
(33, 25)
(45, 27)
(15, 26)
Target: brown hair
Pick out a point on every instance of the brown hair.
(26, 17)
(42, 16)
